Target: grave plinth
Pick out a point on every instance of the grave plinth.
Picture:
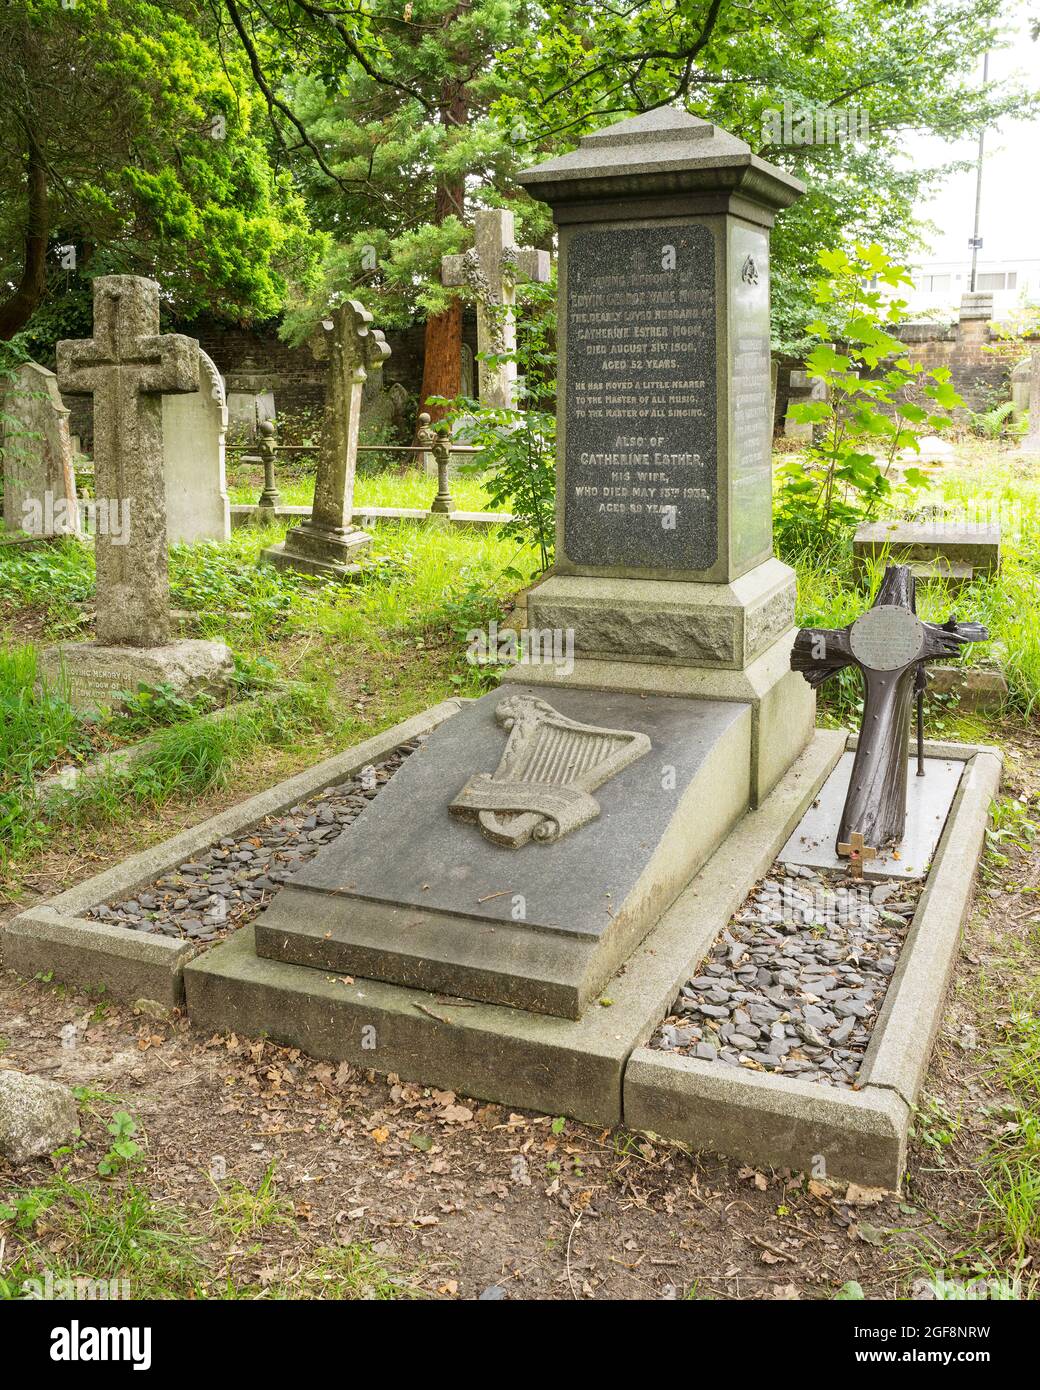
(664, 568)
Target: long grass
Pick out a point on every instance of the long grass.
(411, 488)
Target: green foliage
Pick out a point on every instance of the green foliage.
(877, 397)
(394, 105)
(517, 465)
(153, 145)
(151, 706)
(992, 424)
(124, 1148)
(895, 67)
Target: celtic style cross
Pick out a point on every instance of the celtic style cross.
(128, 367)
(356, 349)
(888, 644)
(491, 269)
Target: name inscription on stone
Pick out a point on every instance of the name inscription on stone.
(886, 638)
(641, 479)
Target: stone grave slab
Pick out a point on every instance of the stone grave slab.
(420, 897)
(930, 543)
(92, 676)
(928, 803)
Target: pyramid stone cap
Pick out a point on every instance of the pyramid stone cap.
(664, 151)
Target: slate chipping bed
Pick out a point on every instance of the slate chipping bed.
(225, 887)
(794, 983)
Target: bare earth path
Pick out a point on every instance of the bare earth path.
(458, 1197)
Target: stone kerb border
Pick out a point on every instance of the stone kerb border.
(56, 938)
(858, 1135)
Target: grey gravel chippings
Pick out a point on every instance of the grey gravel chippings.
(225, 887)
(795, 981)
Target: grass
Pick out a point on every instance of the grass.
(67, 1239)
(412, 488)
(241, 1210)
(78, 1231)
(358, 657)
(1010, 1169)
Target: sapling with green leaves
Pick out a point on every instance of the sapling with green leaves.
(878, 404)
(517, 464)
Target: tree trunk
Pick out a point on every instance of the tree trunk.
(442, 359)
(442, 346)
(16, 311)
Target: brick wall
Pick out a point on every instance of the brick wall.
(257, 359)
(980, 364)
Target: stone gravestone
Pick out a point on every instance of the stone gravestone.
(127, 366)
(194, 427)
(250, 401)
(39, 474)
(1021, 388)
(1031, 443)
(327, 542)
(521, 855)
(664, 569)
(467, 373)
(803, 388)
(490, 270)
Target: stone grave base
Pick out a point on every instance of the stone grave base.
(562, 1066)
(93, 675)
(597, 1068)
(312, 550)
(928, 802)
(783, 706)
(706, 641)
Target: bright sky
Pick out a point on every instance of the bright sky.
(1010, 225)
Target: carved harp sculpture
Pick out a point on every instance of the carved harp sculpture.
(542, 788)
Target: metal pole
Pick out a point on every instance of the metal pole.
(919, 686)
(978, 189)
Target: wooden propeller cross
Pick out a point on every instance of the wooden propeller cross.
(889, 645)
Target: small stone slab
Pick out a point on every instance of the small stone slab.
(419, 898)
(92, 676)
(977, 546)
(929, 799)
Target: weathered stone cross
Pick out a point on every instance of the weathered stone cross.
(127, 367)
(491, 269)
(324, 543)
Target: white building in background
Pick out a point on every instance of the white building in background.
(939, 285)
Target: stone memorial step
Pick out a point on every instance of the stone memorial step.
(962, 548)
(928, 803)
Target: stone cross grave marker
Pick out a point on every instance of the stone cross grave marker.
(326, 543)
(491, 269)
(39, 477)
(127, 366)
(888, 644)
